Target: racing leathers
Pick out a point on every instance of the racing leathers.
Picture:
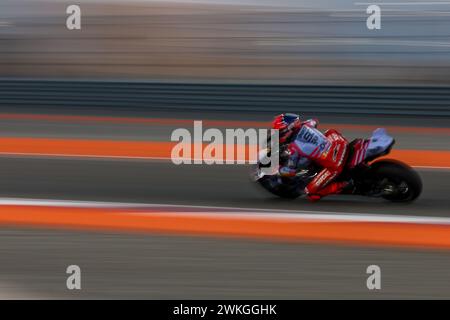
(329, 150)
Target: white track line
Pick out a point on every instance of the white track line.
(244, 213)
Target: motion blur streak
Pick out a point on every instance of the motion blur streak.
(208, 122)
(272, 41)
(162, 150)
(237, 224)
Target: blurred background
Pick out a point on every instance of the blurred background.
(86, 118)
(284, 41)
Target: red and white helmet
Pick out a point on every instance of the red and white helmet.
(287, 124)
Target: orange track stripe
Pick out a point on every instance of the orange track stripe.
(422, 158)
(210, 123)
(95, 148)
(111, 148)
(154, 149)
(383, 233)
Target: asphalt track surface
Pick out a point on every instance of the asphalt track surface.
(128, 265)
(165, 183)
(146, 266)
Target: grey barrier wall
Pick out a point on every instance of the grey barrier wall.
(374, 100)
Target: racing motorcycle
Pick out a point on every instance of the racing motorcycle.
(384, 178)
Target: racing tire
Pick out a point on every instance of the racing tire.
(405, 179)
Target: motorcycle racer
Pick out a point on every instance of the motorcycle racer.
(305, 143)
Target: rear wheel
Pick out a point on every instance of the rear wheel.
(397, 181)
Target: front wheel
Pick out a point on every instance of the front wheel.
(398, 182)
(275, 185)
(287, 191)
